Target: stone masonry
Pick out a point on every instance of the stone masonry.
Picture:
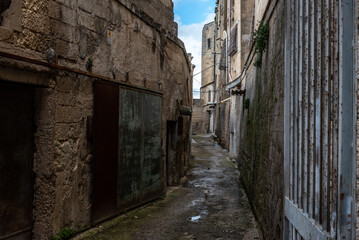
(128, 42)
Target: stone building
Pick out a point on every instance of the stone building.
(208, 75)
(95, 109)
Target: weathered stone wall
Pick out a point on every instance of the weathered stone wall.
(222, 120)
(261, 144)
(199, 118)
(127, 41)
(62, 161)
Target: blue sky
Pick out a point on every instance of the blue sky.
(191, 15)
(193, 11)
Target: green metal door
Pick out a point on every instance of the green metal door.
(139, 158)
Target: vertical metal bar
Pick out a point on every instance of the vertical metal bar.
(317, 107)
(291, 106)
(295, 104)
(286, 229)
(335, 119)
(305, 105)
(290, 231)
(311, 109)
(300, 106)
(287, 98)
(355, 117)
(346, 122)
(326, 116)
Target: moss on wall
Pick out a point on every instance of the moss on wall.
(261, 150)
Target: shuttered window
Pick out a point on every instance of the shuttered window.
(233, 46)
(222, 61)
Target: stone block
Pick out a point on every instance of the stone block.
(66, 84)
(67, 114)
(86, 20)
(65, 99)
(62, 13)
(68, 15)
(101, 9)
(115, 14)
(54, 10)
(86, 5)
(36, 6)
(13, 16)
(100, 26)
(26, 39)
(83, 42)
(35, 21)
(5, 33)
(69, 3)
(67, 50)
(63, 31)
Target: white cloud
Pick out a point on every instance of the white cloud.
(191, 35)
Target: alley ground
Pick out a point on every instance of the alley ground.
(210, 205)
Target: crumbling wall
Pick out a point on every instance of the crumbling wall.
(128, 42)
(62, 162)
(261, 149)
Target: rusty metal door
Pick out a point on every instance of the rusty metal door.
(105, 119)
(16, 157)
(140, 164)
(320, 119)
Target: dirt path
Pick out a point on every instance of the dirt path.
(209, 206)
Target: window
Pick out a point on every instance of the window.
(209, 95)
(233, 46)
(208, 43)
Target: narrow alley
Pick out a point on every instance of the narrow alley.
(209, 205)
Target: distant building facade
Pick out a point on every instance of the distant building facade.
(208, 87)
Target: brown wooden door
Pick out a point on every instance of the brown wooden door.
(106, 109)
(16, 158)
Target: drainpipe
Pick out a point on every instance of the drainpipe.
(225, 32)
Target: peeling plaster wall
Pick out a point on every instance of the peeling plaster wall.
(142, 51)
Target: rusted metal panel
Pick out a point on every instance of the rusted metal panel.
(347, 125)
(106, 108)
(152, 163)
(16, 157)
(140, 164)
(320, 99)
(130, 148)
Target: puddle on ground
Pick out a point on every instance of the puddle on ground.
(195, 219)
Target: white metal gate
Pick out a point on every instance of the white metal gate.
(320, 119)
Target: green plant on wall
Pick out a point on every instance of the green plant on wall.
(64, 233)
(246, 103)
(261, 37)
